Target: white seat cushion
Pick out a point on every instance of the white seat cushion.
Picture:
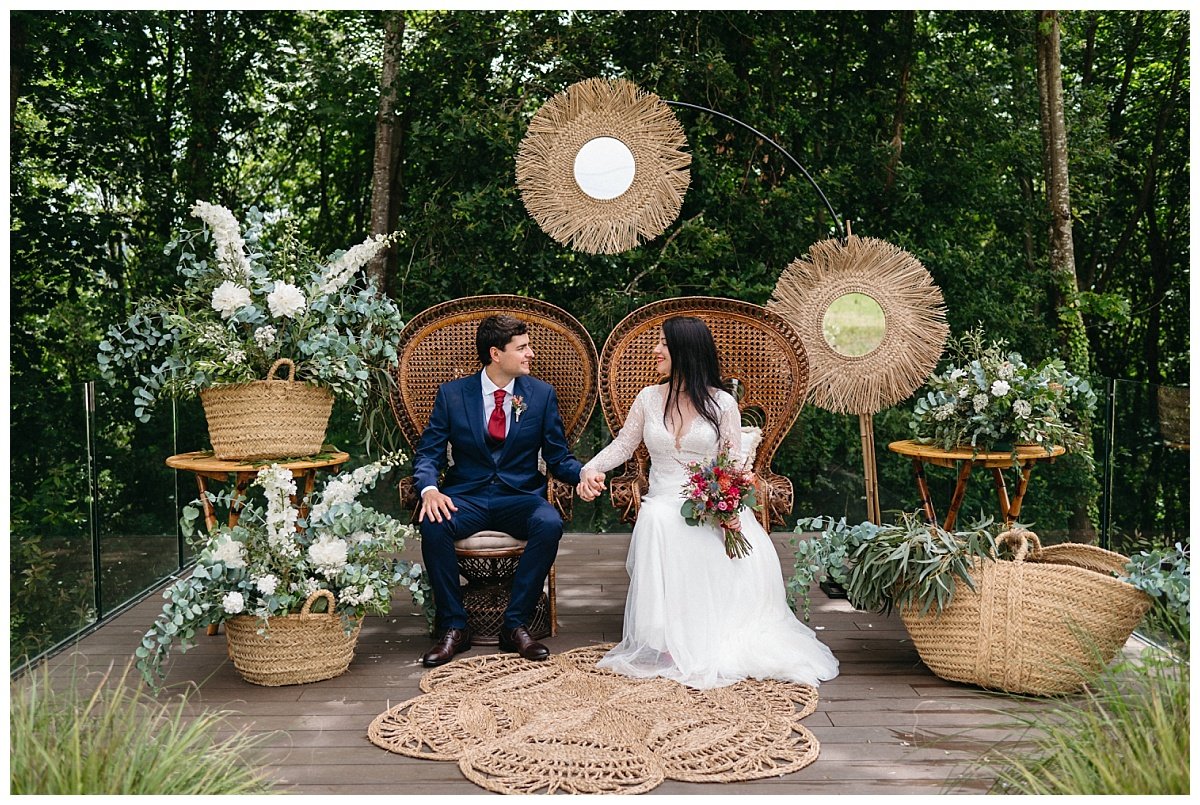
(488, 540)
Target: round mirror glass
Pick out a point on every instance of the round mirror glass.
(604, 168)
(853, 325)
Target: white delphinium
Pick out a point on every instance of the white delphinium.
(1000, 388)
(340, 489)
(229, 552)
(305, 588)
(286, 300)
(265, 336)
(229, 297)
(1022, 408)
(980, 401)
(267, 584)
(279, 486)
(341, 270)
(233, 603)
(231, 249)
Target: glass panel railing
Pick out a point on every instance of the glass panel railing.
(52, 592)
(1146, 469)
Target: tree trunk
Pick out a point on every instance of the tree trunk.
(384, 184)
(908, 19)
(1065, 285)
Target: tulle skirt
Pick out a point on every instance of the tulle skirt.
(696, 616)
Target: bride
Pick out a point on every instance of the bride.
(693, 614)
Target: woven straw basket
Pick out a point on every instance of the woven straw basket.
(295, 648)
(1043, 623)
(269, 418)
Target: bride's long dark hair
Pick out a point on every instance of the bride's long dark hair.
(695, 368)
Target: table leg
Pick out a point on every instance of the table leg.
(238, 501)
(960, 490)
(1002, 494)
(300, 502)
(1014, 509)
(210, 513)
(923, 488)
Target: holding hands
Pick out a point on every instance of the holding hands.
(591, 484)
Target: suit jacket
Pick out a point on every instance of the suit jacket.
(457, 419)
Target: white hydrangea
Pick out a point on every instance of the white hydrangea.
(235, 355)
(231, 249)
(1000, 388)
(346, 266)
(229, 552)
(944, 412)
(229, 297)
(233, 603)
(980, 401)
(1006, 370)
(328, 554)
(265, 336)
(267, 584)
(1022, 408)
(285, 300)
(339, 489)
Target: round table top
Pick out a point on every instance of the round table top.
(205, 461)
(996, 458)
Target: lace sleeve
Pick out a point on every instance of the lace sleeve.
(731, 426)
(621, 448)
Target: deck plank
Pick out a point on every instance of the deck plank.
(886, 725)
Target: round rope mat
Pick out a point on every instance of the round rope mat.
(566, 726)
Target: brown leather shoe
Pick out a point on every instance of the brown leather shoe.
(454, 641)
(518, 640)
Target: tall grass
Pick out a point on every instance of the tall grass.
(116, 739)
(1128, 734)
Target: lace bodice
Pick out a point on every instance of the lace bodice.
(667, 462)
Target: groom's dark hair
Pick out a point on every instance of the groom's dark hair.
(496, 331)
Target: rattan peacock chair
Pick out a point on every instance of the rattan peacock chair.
(762, 361)
(438, 345)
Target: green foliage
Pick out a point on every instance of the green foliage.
(1166, 576)
(890, 566)
(116, 740)
(1128, 734)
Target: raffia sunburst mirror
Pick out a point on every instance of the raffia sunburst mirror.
(871, 318)
(602, 168)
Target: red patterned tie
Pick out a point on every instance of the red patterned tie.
(496, 421)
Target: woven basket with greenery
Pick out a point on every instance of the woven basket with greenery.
(272, 418)
(1043, 623)
(293, 649)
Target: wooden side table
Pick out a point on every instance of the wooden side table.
(966, 461)
(206, 467)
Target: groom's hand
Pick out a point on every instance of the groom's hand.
(436, 506)
(591, 484)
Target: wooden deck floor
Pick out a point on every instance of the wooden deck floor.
(886, 725)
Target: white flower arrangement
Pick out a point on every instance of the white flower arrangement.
(269, 563)
(251, 294)
(993, 399)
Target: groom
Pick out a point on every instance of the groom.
(495, 422)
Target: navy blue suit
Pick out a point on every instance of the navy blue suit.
(497, 489)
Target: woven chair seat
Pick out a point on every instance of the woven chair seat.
(758, 349)
(438, 345)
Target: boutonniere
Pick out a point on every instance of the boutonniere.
(518, 407)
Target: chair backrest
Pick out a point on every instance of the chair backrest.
(757, 348)
(438, 345)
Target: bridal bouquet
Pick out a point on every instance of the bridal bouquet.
(277, 556)
(716, 492)
(252, 293)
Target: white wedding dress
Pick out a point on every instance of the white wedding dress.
(693, 614)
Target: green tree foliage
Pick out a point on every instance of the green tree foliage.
(921, 127)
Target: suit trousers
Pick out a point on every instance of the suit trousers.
(525, 516)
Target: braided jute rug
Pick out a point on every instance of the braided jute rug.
(566, 726)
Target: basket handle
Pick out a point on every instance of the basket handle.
(326, 594)
(1020, 540)
(291, 365)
